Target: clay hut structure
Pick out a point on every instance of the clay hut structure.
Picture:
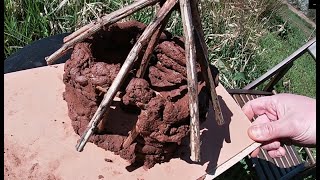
(163, 84)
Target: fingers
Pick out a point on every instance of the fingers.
(255, 152)
(255, 107)
(270, 131)
(271, 146)
(260, 120)
(259, 106)
(277, 153)
(267, 127)
(274, 149)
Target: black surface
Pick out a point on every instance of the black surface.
(32, 55)
(312, 4)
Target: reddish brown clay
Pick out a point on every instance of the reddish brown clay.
(159, 100)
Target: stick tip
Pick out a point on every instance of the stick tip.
(79, 148)
(220, 123)
(195, 158)
(48, 60)
(219, 118)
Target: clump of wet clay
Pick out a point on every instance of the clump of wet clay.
(157, 105)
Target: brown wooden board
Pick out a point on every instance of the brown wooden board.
(39, 141)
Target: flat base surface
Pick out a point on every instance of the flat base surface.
(40, 141)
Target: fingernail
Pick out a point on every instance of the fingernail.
(256, 131)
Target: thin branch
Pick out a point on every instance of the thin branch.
(104, 90)
(152, 44)
(204, 63)
(78, 32)
(131, 137)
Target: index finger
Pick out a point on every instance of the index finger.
(260, 106)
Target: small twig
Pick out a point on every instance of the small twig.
(62, 3)
(190, 51)
(117, 82)
(131, 137)
(105, 20)
(174, 21)
(77, 33)
(104, 90)
(204, 63)
(308, 39)
(102, 125)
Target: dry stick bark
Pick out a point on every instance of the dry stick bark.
(78, 32)
(204, 63)
(140, 74)
(102, 125)
(127, 65)
(190, 51)
(97, 25)
(152, 44)
(104, 90)
(131, 137)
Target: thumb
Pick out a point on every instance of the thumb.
(270, 130)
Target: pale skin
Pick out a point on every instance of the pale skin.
(285, 118)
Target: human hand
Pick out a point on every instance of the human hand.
(283, 117)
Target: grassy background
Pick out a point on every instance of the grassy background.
(301, 77)
(245, 38)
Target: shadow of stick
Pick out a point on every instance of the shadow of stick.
(212, 138)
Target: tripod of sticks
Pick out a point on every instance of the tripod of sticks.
(194, 41)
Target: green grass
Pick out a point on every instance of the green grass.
(243, 39)
(301, 78)
(296, 21)
(28, 20)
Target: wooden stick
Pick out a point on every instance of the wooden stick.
(144, 64)
(204, 63)
(190, 51)
(117, 82)
(105, 20)
(131, 137)
(78, 32)
(102, 124)
(104, 90)
(152, 44)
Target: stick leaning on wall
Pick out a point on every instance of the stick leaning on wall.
(190, 50)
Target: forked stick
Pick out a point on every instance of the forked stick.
(117, 82)
(152, 44)
(140, 74)
(190, 51)
(80, 35)
(204, 63)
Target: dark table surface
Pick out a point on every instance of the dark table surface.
(33, 55)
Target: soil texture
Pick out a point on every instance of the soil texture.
(158, 102)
